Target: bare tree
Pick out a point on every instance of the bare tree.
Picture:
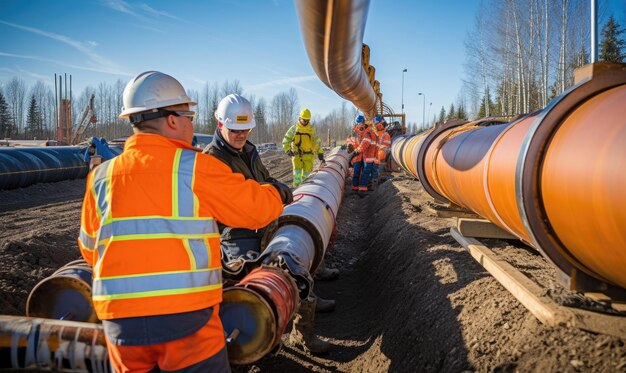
(16, 98)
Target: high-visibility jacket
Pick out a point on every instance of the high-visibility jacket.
(384, 145)
(302, 140)
(355, 140)
(368, 146)
(148, 226)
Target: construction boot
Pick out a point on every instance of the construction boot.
(302, 334)
(324, 305)
(327, 274)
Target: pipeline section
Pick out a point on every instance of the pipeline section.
(21, 167)
(554, 178)
(259, 308)
(54, 345)
(333, 38)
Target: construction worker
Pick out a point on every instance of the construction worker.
(148, 228)
(383, 144)
(367, 149)
(230, 145)
(353, 141)
(301, 145)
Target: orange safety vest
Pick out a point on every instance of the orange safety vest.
(355, 140)
(148, 226)
(384, 145)
(368, 146)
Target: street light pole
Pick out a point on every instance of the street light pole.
(403, 71)
(423, 108)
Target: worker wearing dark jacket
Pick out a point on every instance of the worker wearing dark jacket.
(231, 146)
(148, 229)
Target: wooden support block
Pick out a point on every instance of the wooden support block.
(531, 295)
(450, 210)
(481, 228)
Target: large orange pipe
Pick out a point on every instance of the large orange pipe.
(554, 178)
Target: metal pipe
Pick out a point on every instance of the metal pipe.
(552, 178)
(21, 167)
(262, 304)
(43, 344)
(259, 309)
(333, 38)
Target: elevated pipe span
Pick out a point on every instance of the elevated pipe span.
(554, 178)
(260, 306)
(333, 38)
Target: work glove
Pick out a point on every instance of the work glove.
(350, 148)
(283, 190)
(291, 153)
(321, 158)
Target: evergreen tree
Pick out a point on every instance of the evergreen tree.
(611, 49)
(6, 122)
(460, 113)
(442, 116)
(33, 120)
(451, 112)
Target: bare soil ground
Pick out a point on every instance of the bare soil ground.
(410, 299)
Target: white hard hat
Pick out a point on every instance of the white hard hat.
(235, 112)
(152, 90)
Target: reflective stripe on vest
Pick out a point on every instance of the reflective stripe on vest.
(184, 224)
(155, 284)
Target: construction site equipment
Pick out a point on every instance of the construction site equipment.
(260, 306)
(52, 345)
(64, 295)
(88, 117)
(553, 178)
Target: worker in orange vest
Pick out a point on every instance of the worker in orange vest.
(353, 141)
(383, 144)
(149, 230)
(368, 150)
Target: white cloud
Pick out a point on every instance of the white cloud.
(284, 81)
(61, 63)
(120, 6)
(100, 62)
(158, 13)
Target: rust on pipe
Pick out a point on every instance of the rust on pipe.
(554, 178)
(333, 37)
(259, 307)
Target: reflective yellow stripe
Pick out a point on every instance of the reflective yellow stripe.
(192, 258)
(157, 236)
(159, 273)
(175, 182)
(155, 293)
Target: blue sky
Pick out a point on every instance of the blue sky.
(257, 42)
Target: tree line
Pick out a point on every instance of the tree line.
(521, 54)
(29, 112)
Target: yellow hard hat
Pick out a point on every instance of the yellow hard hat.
(305, 114)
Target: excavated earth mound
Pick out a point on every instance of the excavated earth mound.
(409, 298)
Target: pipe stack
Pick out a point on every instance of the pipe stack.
(553, 178)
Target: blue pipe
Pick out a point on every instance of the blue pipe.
(21, 167)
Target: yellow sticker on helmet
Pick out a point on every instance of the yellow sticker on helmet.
(242, 119)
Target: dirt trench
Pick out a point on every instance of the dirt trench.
(410, 299)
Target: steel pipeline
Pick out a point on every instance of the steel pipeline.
(261, 305)
(554, 178)
(333, 37)
(21, 167)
